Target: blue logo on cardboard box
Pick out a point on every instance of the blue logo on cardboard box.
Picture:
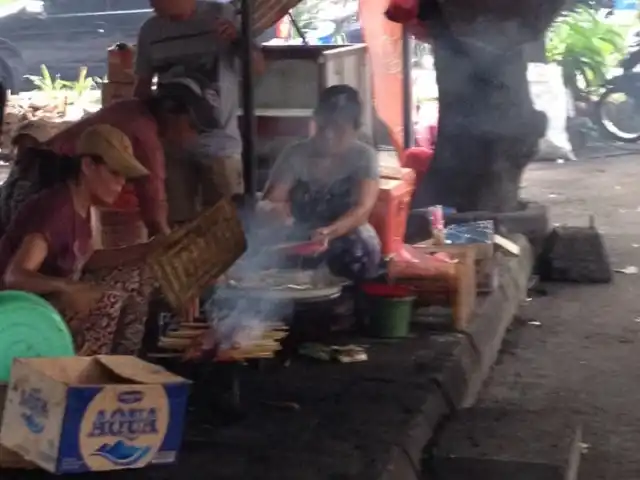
(123, 427)
(35, 410)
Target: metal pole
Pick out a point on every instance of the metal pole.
(3, 104)
(297, 28)
(407, 87)
(248, 115)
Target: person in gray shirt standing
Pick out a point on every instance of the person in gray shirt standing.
(196, 44)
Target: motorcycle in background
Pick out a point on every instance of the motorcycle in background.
(617, 111)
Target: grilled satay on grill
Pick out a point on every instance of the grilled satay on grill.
(244, 346)
(203, 346)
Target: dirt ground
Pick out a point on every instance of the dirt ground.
(582, 358)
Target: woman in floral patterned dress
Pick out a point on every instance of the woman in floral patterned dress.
(47, 249)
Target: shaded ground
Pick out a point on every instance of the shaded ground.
(584, 356)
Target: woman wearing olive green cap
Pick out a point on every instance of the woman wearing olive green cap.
(47, 249)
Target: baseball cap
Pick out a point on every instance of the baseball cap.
(114, 147)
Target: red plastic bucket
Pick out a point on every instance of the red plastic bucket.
(387, 291)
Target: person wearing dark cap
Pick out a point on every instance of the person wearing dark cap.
(195, 180)
(327, 186)
(145, 122)
(189, 39)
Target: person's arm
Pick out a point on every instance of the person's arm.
(279, 183)
(144, 66)
(257, 60)
(276, 204)
(150, 189)
(233, 34)
(277, 193)
(359, 214)
(22, 271)
(142, 87)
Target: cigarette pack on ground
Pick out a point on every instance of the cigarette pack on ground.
(79, 414)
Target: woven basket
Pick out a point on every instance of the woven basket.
(194, 255)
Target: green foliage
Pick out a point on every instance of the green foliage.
(586, 47)
(74, 88)
(309, 12)
(305, 14)
(83, 83)
(45, 82)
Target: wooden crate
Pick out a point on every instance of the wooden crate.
(485, 264)
(457, 292)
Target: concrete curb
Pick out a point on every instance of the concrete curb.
(458, 384)
(497, 312)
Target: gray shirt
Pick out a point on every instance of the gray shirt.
(171, 48)
(328, 191)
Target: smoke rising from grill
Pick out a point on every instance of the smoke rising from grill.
(240, 316)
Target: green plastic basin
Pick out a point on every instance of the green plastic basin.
(30, 327)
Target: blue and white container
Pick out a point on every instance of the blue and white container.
(81, 414)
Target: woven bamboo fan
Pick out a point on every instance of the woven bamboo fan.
(194, 255)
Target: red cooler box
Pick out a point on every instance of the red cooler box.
(389, 217)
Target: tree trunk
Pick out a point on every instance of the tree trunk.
(488, 130)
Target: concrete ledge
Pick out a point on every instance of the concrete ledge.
(532, 222)
(496, 313)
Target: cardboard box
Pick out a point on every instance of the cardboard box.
(78, 414)
(456, 291)
(114, 91)
(120, 63)
(120, 76)
(8, 458)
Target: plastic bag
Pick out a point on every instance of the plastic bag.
(549, 95)
(470, 233)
